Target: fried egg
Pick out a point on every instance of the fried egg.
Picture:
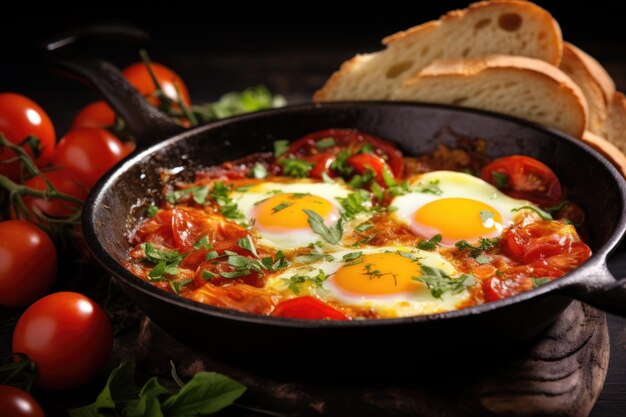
(376, 280)
(456, 205)
(277, 214)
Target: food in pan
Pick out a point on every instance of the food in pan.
(340, 225)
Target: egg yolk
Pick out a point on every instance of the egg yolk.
(458, 218)
(379, 274)
(283, 212)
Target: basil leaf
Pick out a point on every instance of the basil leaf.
(208, 275)
(247, 244)
(202, 243)
(349, 257)
(148, 404)
(205, 393)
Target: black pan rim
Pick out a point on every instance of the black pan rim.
(119, 272)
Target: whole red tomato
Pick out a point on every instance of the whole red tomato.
(138, 76)
(62, 180)
(89, 153)
(97, 114)
(28, 263)
(21, 117)
(68, 336)
(15, 402)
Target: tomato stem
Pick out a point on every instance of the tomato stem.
(23, 367)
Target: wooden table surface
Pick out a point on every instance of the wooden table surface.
(294, 71)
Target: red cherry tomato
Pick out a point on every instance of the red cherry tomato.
(365, 162)
(322, 165)
(89, 152)
(62, 180)
(68, 336)
(139, 77)
(28, 263)
(350, 139)
(19, 118)
(524, 177)
(98, 114)
(15, 402)
(307, 308)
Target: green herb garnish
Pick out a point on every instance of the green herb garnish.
(429, 244)
(198, 193)
(325, 143)
(438, 282)
(296, 167)
(538, 282)
(484, 244)
(258, 170)
(202, 243)
(166, 262)
(280, 147)
(542, 214)
(330, 234)
(152, 211)
(501, 179)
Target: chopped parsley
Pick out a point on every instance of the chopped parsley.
(258, 170)
(202, 243)
(325, 143)
(243, 266)
(352, 256)
(247, 244)
(438, 282)
(177, 286)
(331, 234)
(544, 215)
(199, 194)
(484, 244)
(228, 207)
(538, 282)
(281, 206)
(166, 262)
(208, 275)
(501, 179)
(486, 215)
(431, 188)
(393, 187)
(363, 227)
(296, 167)
(280, 147)
(354, 204)
(313, 257)
(152, 211)
(430, 244)
(340, 164)
(294, 281)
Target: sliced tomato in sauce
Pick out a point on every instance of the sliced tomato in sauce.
(526, 178)
(307, 308)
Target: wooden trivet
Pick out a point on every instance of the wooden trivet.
(560, 374)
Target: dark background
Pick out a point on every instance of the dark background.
(292, 51)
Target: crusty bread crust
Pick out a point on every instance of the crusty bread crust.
(595, 69)
(607, 149)
(516, 66)
(526, 6)
(341, 85)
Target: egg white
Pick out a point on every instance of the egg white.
(415, 303)
(456, 185)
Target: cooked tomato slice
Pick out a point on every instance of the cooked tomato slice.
(364, 162)
(495, 288)
(540, 240)
(322, 163)
(335, 140)
(307, 308)
(190, 225)
(524, 177)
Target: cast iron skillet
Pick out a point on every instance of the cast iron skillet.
(118, 202)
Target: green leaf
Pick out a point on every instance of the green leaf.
(484, 245)
(202, 243)
(119, 389)
(349, 257)
(280, 147)
(313, 257)
(281, 206)
(148, 404)
(294, 281)
(486, 215)
(501, 179)
(296, 167)
(544, 215)
(538, 282)
(152, 211)
(431, 188)
(363, 227)
(198, 193)
(378, 192)
(430, 244)
(340, 164)
(438, 282)
(259, 170)
(177, 286)
(208, 275)
(331, 235)
(206, 393)
(247, 244)
(166, 261)
(483, 260)
(354, 203)
(325, 143)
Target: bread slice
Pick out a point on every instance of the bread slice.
(595, 83)
(509, 27)
(521, 87)
(614, 127)
(607, 149)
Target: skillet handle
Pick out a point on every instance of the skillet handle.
(601, 290)
(146, 123)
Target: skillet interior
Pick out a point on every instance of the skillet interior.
(119, 200)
